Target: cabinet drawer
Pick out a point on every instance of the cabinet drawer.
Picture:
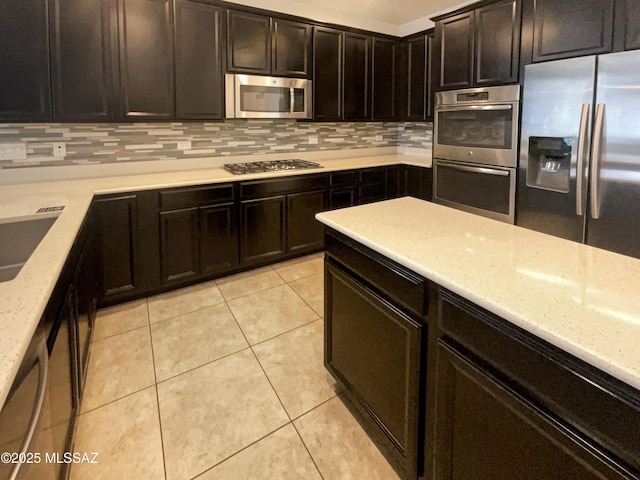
(402, 286)
(179, 198)
(372, 175)
(344, 179)
(266, 188)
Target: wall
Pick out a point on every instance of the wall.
(113, 143)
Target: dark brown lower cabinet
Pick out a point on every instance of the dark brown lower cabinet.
(419, 182)
(485, 430)
(304, 232)
(263, 227)
(179, 244)
(375, 349)
(219, 242)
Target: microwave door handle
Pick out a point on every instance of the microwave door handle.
(465, 168)
(450, 108)
(595, 162)
(291, 100)
(582, 140)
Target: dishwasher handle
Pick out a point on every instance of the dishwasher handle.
(37, 354)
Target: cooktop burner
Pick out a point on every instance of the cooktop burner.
(269, 166)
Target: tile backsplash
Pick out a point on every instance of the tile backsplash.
(91, 143)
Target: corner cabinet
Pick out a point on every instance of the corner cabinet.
(419, 83)
(374, 331)
(478, 47)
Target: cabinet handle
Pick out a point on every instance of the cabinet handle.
(582, 139)
(595, 162)
(291, 100)
(43, 362)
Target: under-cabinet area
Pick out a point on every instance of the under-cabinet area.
(451, 390)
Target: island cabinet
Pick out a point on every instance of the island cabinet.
(264, 45)
(277, 217)
(375, 328)
(198, 229)
(478, 47)
(509, 405)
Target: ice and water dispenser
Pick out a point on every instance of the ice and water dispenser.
(549, 163)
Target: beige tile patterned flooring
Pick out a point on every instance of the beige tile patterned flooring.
(221, 381)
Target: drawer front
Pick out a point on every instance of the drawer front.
(372, 175)
(402, 286)
(344, 179)
(179, 198)
(266, 188)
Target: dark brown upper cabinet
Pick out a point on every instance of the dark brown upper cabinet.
(570, 28)
(478, 47)
(356, 78)
(146, 59)
(199, 67)
(291, 48)
(327, 74)
(25, 93)
(81, 59)
(497, 43)
(267, 46)
(419, 85)
(627, 25)
(385, 55)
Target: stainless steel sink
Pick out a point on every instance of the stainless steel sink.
(18, 240)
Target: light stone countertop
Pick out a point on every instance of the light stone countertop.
(581, 299)
(23, 300)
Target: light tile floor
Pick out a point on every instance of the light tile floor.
(221, 381)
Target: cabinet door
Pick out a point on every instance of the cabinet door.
(628, 21)
(327, 74)
(179, 244)
(218, 238)
(86, 294)
(117, 244)
(372, 185)
(248, 43)
(497, 43)
(146, 59)
(485, 430)
(356, 76)
(417, 78)
(394, 182)
(375, 350)
(342, 197)
(198, 60)
(81, 59)
(263, 229)
(383, 91)
(304, 232)
(25, 92)
(570, 28)
(455, 36)
(291, 48)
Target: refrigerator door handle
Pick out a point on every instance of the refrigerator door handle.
(595, 162)
(582, 140)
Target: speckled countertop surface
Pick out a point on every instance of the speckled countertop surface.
(23, 300)
(581, 299)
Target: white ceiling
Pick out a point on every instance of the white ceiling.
(399, 17)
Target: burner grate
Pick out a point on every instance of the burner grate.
(269, 166)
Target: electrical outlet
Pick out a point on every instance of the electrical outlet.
(184, 145)
(59, 149)
(379, 138)
(13, 151)
(313, 140)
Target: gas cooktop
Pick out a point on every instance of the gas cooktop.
(269, 166)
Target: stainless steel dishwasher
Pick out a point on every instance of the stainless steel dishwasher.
(38, 416)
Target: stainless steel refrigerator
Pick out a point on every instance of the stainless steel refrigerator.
(579, 166)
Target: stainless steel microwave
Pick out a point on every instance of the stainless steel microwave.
(254, 96)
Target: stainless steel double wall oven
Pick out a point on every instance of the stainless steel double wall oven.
(475, 150)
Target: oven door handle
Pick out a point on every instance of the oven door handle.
(465, 168)
(449, 108)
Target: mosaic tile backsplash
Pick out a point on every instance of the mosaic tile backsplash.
(88, 143)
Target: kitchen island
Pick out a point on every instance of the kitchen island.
(528, 343)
